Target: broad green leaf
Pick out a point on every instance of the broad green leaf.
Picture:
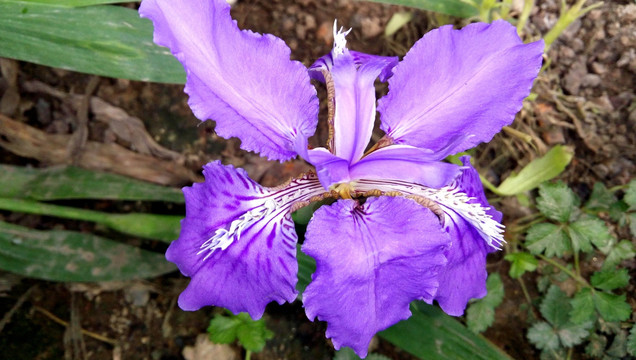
(630, 195)
(449, 7)
(631, 341)
(596, 346)
(481, 314)
(77, 3)
(622, 251)
(587, 231)
(59, 183)
(612, 307)
(582, 306)
(601, 198)
(306, 267)
(61, 255)
(557, 202)
(104, 40)
(431, 334)
(610, 279)
(223, 329)
(158, 227)
(618, 210)
(543, 336)
(520, 262)
(253, 334)
(548, 238)
(555, 307)
(573, 334)
(537, 171)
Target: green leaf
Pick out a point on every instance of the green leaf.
(158, 227)
(574, 334)
(59, 183)
(630, 195)
(223, 329)
(631, 218)
(346, 353)
(548, 238)
(557, 202)
(60, 255)
(555, 307)
(520, 262)
(306, 267)
(481, 314)
(543, 336)
(558, 354)
(631, 341)
(601, 198)
(104, 40)
(617, 212)
(431, 334)
(253, 334)
(449, 7)
(537, 171)
(587, 231)
(582, 306)
(77, 3)
(612, 307)
(610, 279)
(622, 251)
(596, 347)
(397, 21)
(618, 348)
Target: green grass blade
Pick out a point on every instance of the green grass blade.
(77, 3)
(104, 40)
(157, 227)
(431, 334)
(59, 183)
(449, 7)
(71, 256)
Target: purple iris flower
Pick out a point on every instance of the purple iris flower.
(406, 226)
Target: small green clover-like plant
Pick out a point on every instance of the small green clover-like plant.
(252, 334)
(481, 313)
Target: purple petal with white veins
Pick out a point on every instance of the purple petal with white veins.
(372, 260)
(468, 82)
(464, 277)
(407, 163)
(353, 78)
(238, 242)
(244, 81)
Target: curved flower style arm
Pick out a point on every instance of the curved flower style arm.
(242, 80)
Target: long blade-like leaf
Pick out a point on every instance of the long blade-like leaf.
(71, 256)
(104, 40)
(456, 8)
(59, 183)
(77, 3)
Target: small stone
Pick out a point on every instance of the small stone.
(310, 22)
(301, 31)
(591, 80)
(599, 68)
(371, 27)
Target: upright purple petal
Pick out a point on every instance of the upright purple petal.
(464, 277)
(242, 80)
(465, 83)
(238, 242)
(352, 79)
(372, 260)
(407, 163)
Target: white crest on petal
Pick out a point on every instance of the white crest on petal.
(339, 39)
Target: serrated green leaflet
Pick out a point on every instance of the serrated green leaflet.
(557, 201)
(582, 306)
(631, 341)
(543, 336)
(548, 238)
(449, 7)
(481, 314)
(252, 334)
(520, 262)
(555, 307)
(76, 3)
(610, 279)
(630, 195)
(104, 40)
(537, 171)
(71, 256)
(158, 227)
(612, 307)
(431, 334)
(59, 183)
(597, 345)
(601, 198)
(587, 231)
(622, 251)
(618, 348)
(573, 334)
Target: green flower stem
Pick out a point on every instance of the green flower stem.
(525, 14)
(568, 15)
(574, 276)
(525, 292)
(248, 355)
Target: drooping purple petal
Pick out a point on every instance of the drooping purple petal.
(352, 80)
(467, 83)
(372, 260)
(242, 80)
(238, 242)
(464, 277)
(407, 163)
